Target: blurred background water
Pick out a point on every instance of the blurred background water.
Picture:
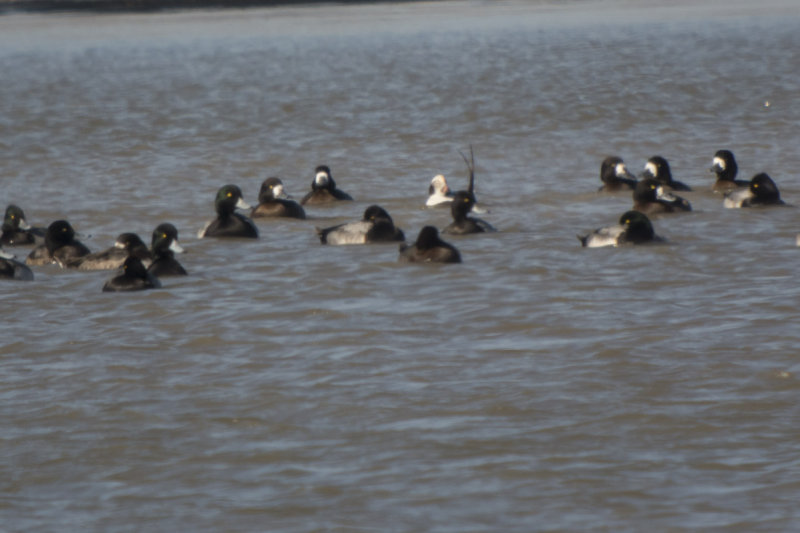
(290, 386)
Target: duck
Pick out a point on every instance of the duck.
(429, 248)
(60, 246)
(134, 277)
(273, 202)
(375, 226)
(125, 245)
(762, 191)
(17, 231)
(615, 176)
(725, 167)
(323, 189)
(634, 228)
(229, 223)
(463, 224)
(164, 246)
(657, 168)
(10, 268)
(439, 193)
(650, 198)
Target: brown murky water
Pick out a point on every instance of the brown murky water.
(288, 386)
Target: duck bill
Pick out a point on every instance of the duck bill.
(479, 209)
(6, 255)
(241, 204)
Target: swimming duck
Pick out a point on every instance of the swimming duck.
(650, 198)
(17, 231)
(439, 193)
(12, 269)
(429, 248)
(634, 228)
(725, 167)
(134, 277)
(127, 244)
(323, 189)
(60, 246)
(375, 226)
(615, 176)
(462, 223)
(657, 168)
(273, 202)
(164, 247)
(761, 192)
(229, 223)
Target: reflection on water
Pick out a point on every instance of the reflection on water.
(286, 385)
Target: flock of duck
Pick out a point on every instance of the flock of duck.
(653, 194)
(141, 267)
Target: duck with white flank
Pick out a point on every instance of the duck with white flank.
(375, 226)
(634, 228)
(762, 191)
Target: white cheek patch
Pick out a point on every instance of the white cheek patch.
(277, 191)
(621, 169)
(439, 183)
(321, 178)
(651, 168)
(719, 162)
(119, 244)
(175, 247)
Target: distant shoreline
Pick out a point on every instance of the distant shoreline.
(126, 6)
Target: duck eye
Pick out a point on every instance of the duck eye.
(652, 186)
(230, 194)
(755, 185)
(163, 235)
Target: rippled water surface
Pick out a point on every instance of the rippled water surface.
(290, 386)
